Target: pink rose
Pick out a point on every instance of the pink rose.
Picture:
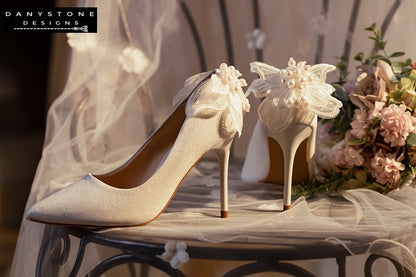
(353, 157)
(375, 112)
(396, 124)
(347, 156)
(359, 123)
(338, 154)
(373, 85)
(386, 169)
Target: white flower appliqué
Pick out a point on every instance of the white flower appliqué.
(255, 39)
(82, 42)
(320, 24)
(133, 60)
(225, 95)
(175, 254)
(299, 85)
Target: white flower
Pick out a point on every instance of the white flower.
(320, 24)
(299, 85)
(82, 42)
(256, 39)
(133, 60)
(175, 254)
(226, 96)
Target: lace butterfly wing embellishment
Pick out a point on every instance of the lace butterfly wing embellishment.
(299, 85)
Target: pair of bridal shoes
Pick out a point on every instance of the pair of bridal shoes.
(207, 117)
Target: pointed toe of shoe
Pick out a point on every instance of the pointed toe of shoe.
(50, 210)
(40, 212)
(68, 206)
(92, 203)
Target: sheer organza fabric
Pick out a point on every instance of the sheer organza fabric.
(105, 113)
(362, 221)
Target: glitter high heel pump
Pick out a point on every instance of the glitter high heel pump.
(207, 118)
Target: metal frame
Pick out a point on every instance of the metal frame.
(401, 270)
(56, 241)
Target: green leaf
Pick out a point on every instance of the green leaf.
(407, 70)
(397, 67)
(352, 184)
(380, 45)
(356, 141)
(407, 62)
(406, 83)
(396, 54)
(342, 58)
(372, 57)
(339, 93)
(412, 75)
(375, 57)
(386, 60)
(361, 176)
(397, 95)
(373, 38)
(341, 66)
(359, 56)
(411, 139)
(377, 185)
(371, 27)
(375, 120)
(379, 33)
(350, 110)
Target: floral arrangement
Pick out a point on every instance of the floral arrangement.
(372, 142)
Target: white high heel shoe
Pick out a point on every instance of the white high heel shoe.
(294, 97)
(207, 118)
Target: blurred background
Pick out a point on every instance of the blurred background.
(26, 91)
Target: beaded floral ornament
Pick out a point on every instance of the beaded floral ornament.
(226, 96)
(294, 94)
(297, 85)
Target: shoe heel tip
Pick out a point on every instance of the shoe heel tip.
(286, 207)
(224, 214)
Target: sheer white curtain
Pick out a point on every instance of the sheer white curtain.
(105, 112)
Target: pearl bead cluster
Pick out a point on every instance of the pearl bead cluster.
(295, 77)
(229, 77)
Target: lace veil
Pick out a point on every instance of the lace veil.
(105, 111)
(122, 81)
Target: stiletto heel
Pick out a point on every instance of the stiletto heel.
(208, 117)
(293, 98)
(289, 139)
(223, 155)
(312, 145)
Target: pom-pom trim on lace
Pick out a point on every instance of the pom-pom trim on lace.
(175, 253)
(82, 42)
(133, 60)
